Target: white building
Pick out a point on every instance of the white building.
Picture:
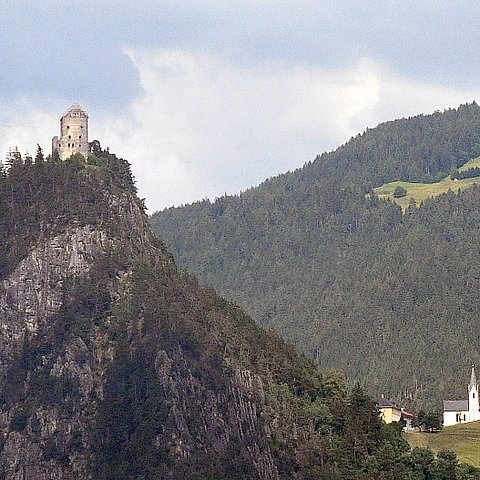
(463, 411)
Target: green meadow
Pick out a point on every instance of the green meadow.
(422, 191)
(464, 440)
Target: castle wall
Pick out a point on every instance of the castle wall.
(73, 133)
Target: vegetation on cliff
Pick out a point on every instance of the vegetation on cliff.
(391, 299)
(40, 196)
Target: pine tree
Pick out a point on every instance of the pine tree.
(55, 157)
(39, 157)
(13, 160)
(362, 424)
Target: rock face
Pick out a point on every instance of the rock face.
(222, 418)
(114, 365)
(56, 418)
(32, 294)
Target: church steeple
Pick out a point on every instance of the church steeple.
(473, 405)
(473, 379)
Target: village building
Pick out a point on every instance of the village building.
(463, 411)
(391, 412)
(73, 133)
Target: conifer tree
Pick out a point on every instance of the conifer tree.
(55, 157)
(14, 160)
(39, 157)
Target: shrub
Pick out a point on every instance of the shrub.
(399, 192)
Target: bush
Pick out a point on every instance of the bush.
(98, 162)
(76, 162)
(399, 192)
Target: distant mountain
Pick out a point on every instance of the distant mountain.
(391, 299)
(114, 365)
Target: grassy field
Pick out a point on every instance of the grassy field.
(464, 440)
(422, 191)
(471, 164)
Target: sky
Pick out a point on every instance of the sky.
(206, 98)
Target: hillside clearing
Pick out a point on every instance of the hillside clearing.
(464, 440)
(422, 191)
(474, 163)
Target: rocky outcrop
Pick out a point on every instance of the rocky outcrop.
(33, 292)
(115, 365)
(48, 413)
(36, 432)
(220, 419)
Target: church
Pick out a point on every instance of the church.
(463, 411)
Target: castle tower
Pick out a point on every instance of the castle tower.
(473, 405)
(73, 133)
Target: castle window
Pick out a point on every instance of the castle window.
(68, 126)
(69, 137)
(79, 136)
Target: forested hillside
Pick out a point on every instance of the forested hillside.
(391, 299)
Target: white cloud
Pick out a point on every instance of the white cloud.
(23, 125)
(203, 126)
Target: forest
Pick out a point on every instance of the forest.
(389, 298)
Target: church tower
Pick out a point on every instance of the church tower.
(73, 133)
(473, 405)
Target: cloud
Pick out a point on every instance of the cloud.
(203, 126)
(23, 124)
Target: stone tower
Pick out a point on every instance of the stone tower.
(473, 405)
(73, 133)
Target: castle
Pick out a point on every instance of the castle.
(463, 411)
(73, 133)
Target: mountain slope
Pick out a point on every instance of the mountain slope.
(347, 278)
(114, 365)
